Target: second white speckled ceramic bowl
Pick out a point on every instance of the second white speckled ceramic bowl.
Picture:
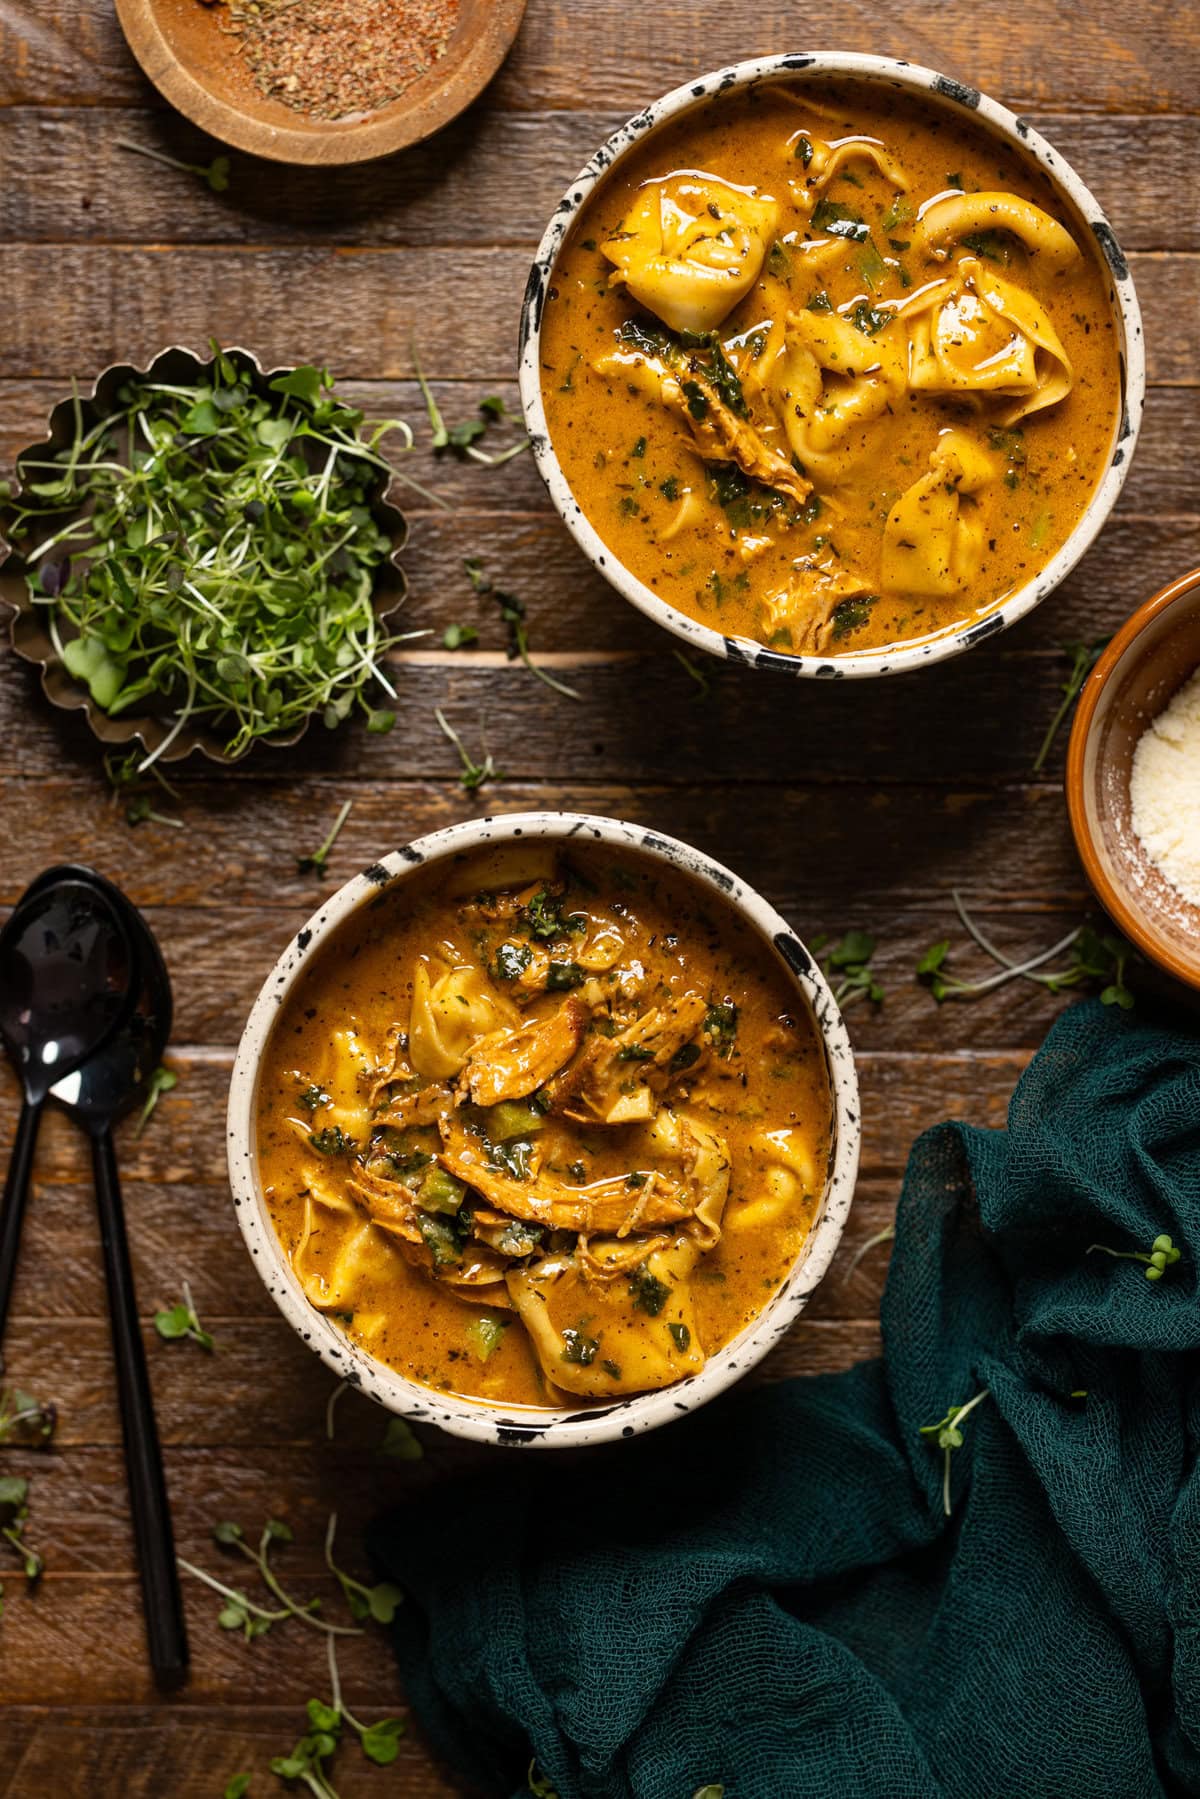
(529, 1425)
(942, 93)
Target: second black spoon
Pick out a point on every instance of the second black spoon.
(112, 1080)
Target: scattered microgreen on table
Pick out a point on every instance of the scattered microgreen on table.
(512, 614)
(180, 1321)
(25, 1419)
(848, 968)
(694, 673)
(1084, 657)
(400, 1442)
(163, 1080)
(1161, 1256)
(378, 1602)
(886, 1235)
(1095, 956)
(948, 1435)
(315, 863)
(206, 553)
(462, 439)
(14, 1513)
(473, 774)
(214, 174)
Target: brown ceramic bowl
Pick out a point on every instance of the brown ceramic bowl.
(194, 64)
(1150, 657)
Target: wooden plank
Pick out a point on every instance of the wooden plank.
(640, 719)
(488, 178)
(1031, 858)
(361, 306)
(188, 1751)
(70, 52)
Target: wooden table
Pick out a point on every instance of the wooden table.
(849, 805)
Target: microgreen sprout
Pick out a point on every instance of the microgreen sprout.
(474, 774)
(163, 1080)
(461, 439)
(214, 174)
(378, 1602)
(242, 1613)
(1161, 1255)
(512, 614)
(14, 1512)
(948, 1434)
(848, 968)
(317, 860)
(454, 637)
(206, 551)
(709, 1792)
(400, 1442)
(238, 1787)
(537, 1783)
(26, 1419)
(1094, 956)
(122, 775)
(180, 1321)
(864, 1249)
(695, 673)
(1084, 657)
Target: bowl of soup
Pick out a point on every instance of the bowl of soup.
(831, 364)
(543, 1130)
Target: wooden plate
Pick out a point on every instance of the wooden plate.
(193, 63)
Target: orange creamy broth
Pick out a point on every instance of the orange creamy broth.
(631, 462)
(675, 941)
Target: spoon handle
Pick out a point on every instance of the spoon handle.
(12, 1207)
(161, 1599)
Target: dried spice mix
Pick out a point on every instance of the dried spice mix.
(334, 59)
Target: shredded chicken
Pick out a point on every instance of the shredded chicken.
(604, 1206)
(513, 1064)
(806, 606)
(616, 1079)
(721, 436)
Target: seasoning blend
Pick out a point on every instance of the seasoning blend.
(1164, 791)
(339, 59)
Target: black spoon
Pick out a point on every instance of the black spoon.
(69, 974)
(107, 1084)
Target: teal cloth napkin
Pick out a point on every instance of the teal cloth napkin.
(768, 1594)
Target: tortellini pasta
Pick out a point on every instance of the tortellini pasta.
(977, 333)
(448, 1014)
(954, 217)
(691, 247)
(931, 544)
(782, 1168)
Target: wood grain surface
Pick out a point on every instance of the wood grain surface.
(863, 805)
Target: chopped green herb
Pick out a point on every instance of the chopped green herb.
(851, 615)
(440, 1238)
(578, 1347)
(485, 1335)
(870, 319)
(513, 1158)
(804, 149)
(720, 1027)
(819, 302)
(332, 1141)
(839, 221)
(681, 1336)
(697, 399)
(561, 977)
(519, 1238)
(639, 449)
(511, 960)
(650, 1294)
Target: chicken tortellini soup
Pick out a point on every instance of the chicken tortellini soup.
(827, 369)
(542, 1131)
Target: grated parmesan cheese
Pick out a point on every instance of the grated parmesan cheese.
(1164, 791)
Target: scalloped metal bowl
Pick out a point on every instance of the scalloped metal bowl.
(27, 628)
(528, 1425)
(938, 91)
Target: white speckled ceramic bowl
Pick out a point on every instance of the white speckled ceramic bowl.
(940, 91)
(529, 1425)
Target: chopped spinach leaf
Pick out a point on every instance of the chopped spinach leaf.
(511, 960)
(650, 1294)
(332, 1141)
(579, 1348)
(681, 1335)
(840, 221)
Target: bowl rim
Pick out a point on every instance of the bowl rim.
(508, 1425)
(1111, 896)
(950, 641)
(323, 143)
